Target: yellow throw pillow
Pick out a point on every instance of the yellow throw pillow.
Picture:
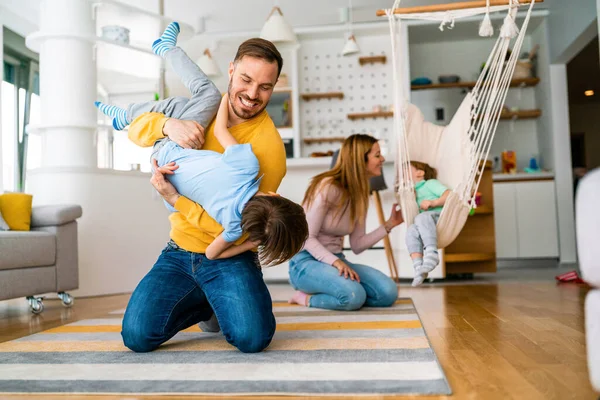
(16, 210)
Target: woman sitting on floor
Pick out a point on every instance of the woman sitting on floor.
(336, 205)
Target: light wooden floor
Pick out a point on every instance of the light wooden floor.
(503, 340)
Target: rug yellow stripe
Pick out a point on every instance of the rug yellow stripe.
(280, 327)
(221, 345)
(84, 329)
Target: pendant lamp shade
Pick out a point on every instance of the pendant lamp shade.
(351, 47)
(208, 65)
(276, 29)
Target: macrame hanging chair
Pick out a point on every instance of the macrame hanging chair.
(457, 151)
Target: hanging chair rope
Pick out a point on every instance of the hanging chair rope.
(477, 118)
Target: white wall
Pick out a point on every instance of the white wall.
(572, 24)
(585, 118)
(123, 228)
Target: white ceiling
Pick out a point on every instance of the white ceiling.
(222, 16)
(250, 15)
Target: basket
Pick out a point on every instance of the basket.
(523, 70)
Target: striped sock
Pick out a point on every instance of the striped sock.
(167, 41)
(430, 260)
(119, 114)
(418, 279)
(417, 265)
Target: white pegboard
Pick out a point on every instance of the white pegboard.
(322, 68)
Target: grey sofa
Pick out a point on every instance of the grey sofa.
(43, 259)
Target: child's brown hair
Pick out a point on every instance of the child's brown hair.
(430, 172)
(278, 224)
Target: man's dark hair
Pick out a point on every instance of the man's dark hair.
(260, 48)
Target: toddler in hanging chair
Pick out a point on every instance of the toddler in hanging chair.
(421, 236)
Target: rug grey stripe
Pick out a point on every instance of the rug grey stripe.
(437, 386)
(286, 320)
(220, 357)
(321, 313)
(101, 336)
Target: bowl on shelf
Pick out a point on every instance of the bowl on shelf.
(449, 78)
(117, 33)
(421, 81)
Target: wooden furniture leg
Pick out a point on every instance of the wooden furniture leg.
(386, 239)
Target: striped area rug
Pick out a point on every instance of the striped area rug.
(374, 351)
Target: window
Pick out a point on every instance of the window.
(20, 106)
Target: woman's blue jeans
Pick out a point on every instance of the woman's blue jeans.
(334, 292)
(184, 288)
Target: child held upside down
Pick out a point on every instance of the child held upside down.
(421, 236)
(225, 185)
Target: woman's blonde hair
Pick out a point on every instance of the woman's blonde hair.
(349, 175)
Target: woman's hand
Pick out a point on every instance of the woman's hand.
(343, 268)
(395, 218)
(187, 134)
(163, 186)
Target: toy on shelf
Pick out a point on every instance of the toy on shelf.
(509, 162)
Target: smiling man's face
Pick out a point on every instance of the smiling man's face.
(251, 83)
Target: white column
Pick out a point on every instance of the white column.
(562, 163)
(65, 43)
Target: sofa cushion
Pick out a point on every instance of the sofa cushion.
(26, 249)
(3, 225)
(16, 210)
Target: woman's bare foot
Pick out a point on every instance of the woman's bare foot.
(300, 298)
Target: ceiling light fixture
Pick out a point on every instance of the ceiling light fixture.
(350, 47)
(276, 29)
(208, 65)
(589, 93)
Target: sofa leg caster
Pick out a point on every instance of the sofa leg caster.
(66, 298)
(36, 304)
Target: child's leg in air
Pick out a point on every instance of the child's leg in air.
(204, 103)
(205, 95)
(414, 245)
(426, 225)
(171, 107)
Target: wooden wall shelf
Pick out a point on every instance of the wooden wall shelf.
(316, 96)
(469, 85)
(468, 257)
(378, 114)
(522, 114)
(372, 60)
(324, 140)
(484, 210)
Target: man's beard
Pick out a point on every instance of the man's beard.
(241, 113)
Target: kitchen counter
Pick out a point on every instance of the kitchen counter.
(524, 176)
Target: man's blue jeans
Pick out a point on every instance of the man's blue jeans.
(184, 288)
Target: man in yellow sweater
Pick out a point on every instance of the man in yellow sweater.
(184, 287)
